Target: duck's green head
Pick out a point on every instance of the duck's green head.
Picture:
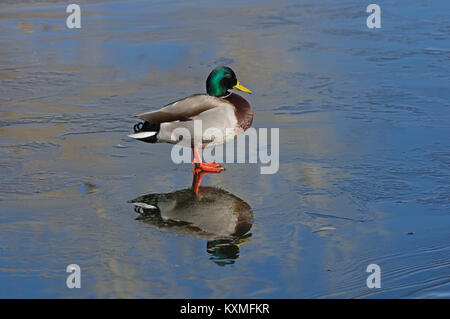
(222, 79)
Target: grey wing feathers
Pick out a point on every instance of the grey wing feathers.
(181, 110)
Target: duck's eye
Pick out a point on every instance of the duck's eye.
(229, 82)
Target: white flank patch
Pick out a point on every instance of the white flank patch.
(141, 135)
(144, 205)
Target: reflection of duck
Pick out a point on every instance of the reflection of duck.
(219, 109)
(213, 214)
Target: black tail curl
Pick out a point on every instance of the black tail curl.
(147, 127)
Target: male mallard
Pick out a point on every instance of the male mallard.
(216, 215)
(228, 112)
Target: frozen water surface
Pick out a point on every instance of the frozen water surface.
(364, 150)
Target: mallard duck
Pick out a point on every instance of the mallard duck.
(216, 215)
(220, 109)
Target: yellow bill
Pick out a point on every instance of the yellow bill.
(242, 243)
(242, 88)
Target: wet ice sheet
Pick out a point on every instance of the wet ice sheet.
(363, 118)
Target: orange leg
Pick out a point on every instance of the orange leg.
(213, 167)
(197, 179)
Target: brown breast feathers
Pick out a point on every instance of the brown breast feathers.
(242, 109)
